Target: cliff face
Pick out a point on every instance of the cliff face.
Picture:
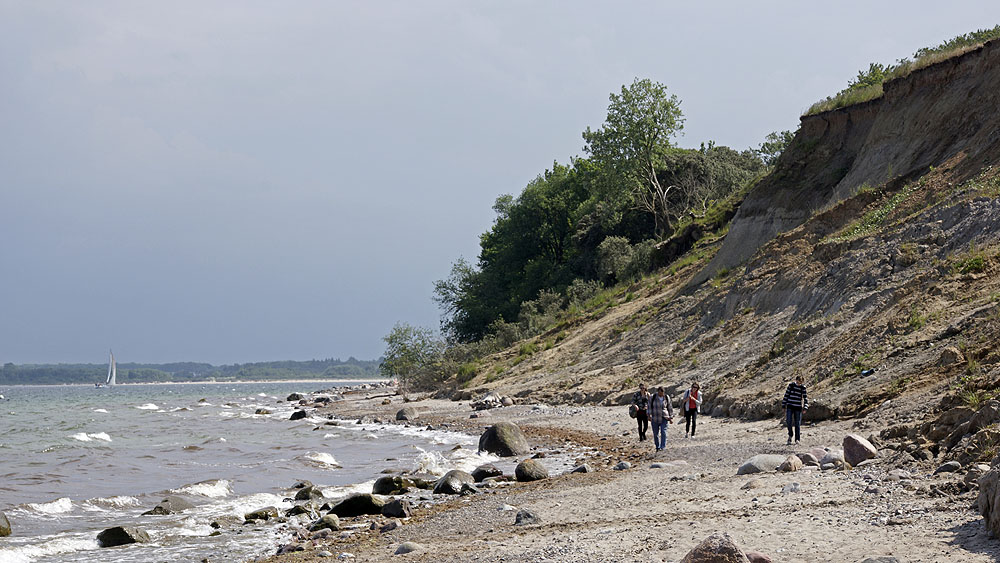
(925, 119)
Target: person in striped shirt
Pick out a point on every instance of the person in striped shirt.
(795, 402)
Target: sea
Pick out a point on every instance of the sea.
(75, 460)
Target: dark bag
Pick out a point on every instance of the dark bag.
(633, 410)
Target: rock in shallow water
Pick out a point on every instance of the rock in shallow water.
(4, 525)
(407, 413)
(262, 514)
(504, 439)
(121, 535)
(169, 505)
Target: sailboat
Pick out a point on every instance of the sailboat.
(112, 372)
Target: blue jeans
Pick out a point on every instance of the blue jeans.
(660, 434)
(793, 420)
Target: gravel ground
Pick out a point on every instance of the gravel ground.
(647, 514)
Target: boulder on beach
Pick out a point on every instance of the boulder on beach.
(716, 548)
(530, 470)
(122, 535)
(326, 522)
(585, 468)
(392, 485)
(757, 557)
(4, 525)
(294, 397)
(357, 505)
(808, 458)
(491, 400)
(485, 471)
(407, 413)
(791, 463)
(504, 439)
(949, 467)
(451, 483)
(169, 505)
(760, 463)
(399, 508)
(297, 415)
(858, 449)
(265, 513)
(833, 457)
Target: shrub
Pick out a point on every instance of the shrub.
(580, 291)
(613, 256)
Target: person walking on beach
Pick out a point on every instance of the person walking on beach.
(690, 406)
(660, 415)
(795, 402)
(641, 402)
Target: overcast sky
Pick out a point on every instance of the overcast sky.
(248, 181)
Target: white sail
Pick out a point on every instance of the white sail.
(112, 369)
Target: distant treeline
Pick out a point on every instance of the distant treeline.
(51, 374)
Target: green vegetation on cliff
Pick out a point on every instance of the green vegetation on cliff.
(868, 84)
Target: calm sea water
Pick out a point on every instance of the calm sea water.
(75, 460)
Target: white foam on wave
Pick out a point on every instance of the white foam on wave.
(338, 492)
(321, 458)
(84, 437)
(105, 411)
(239, 506)
(58, 506)
(48, 546)
(148, 407)
(108, 503)
(216, 488)
(437, 463)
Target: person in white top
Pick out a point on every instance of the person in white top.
(690, 406)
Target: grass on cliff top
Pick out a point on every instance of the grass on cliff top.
(868, 85)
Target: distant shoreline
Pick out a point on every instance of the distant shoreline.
(350, 381)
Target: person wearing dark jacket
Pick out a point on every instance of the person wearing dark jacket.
(795, 402)
(660, 415)
(641, 401)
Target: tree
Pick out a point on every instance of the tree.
(635, 137)
(774, 144)
(411, 352)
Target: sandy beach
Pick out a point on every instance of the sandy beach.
(659, 514)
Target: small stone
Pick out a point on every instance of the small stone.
(751, 484)
(526, 517)
(326, 522)
(324, 554)
(757, 557)
(949, 467)
(585, 468)
(622, 466)
(790, 488)
(390, 526)
(408, 547)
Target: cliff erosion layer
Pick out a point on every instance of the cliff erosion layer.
(922, 120)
